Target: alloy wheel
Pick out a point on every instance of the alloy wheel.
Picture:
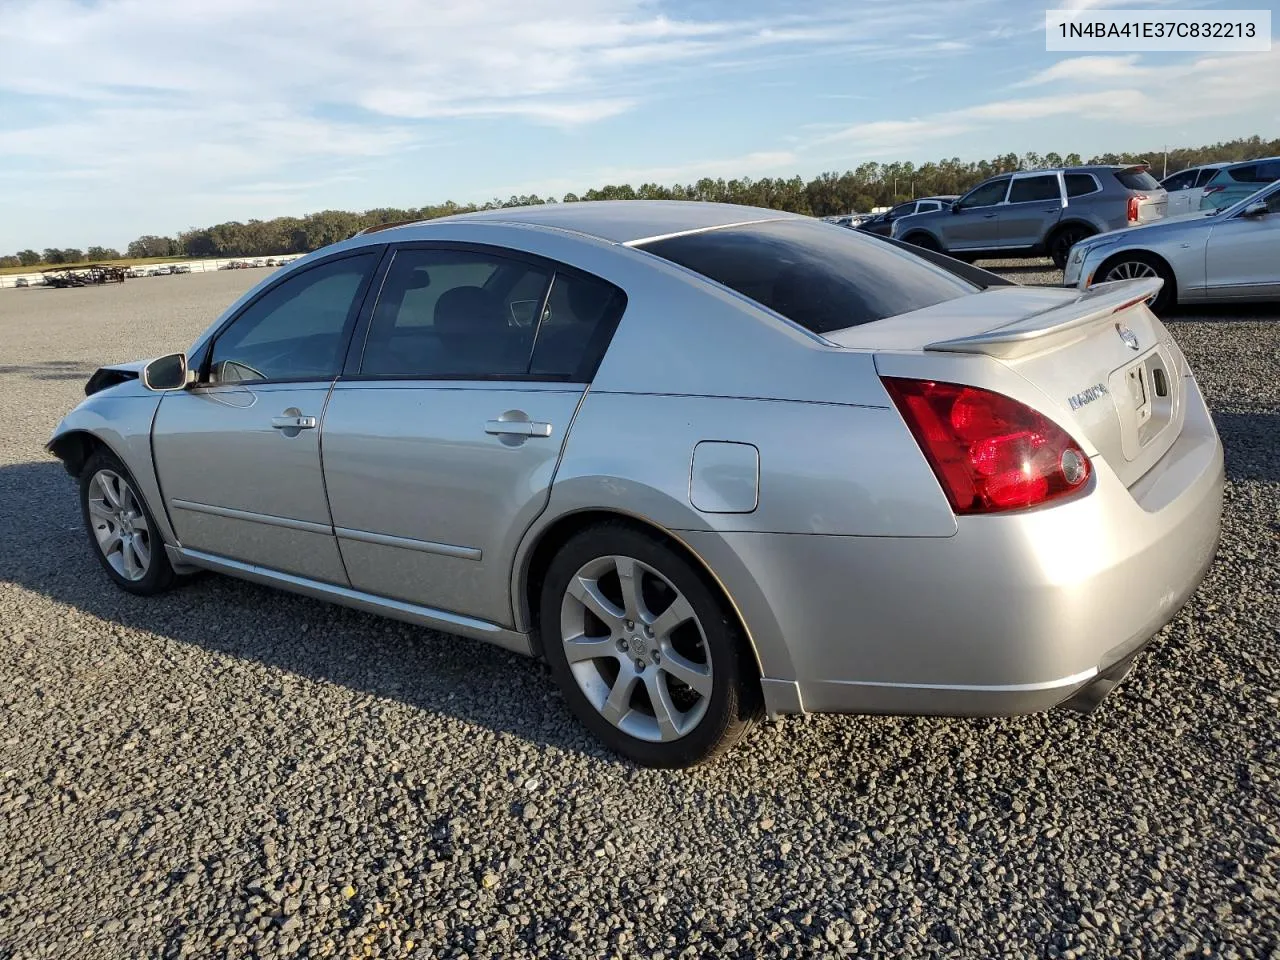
(636, 648)
(1131, 270)
(119, 525)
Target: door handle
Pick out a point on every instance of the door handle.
(517, 428)
(293, 423)
(988, 216)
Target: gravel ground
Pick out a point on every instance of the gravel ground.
(231, 771)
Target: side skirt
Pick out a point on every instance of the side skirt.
(344, 596)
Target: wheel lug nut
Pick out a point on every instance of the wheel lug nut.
(630, 625)
(639, 664)
(622, 645)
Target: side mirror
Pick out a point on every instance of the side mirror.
(166, 373)
(955, 206)
(1258, 209)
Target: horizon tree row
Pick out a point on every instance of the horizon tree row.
(869, 185)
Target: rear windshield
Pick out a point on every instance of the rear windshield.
(1138, 180)
(822, 277)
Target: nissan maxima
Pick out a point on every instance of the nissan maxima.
(710, 462)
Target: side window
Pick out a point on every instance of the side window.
(1267, 172)
(985, 195)
(576, 327)
(927, 206)
(298, 330)
(1079, 184)
(1029, 189)
(454, 313)
(902, 210)
(1207, 174)
(1245, 174)
(1181, 181)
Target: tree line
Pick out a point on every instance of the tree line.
(828, 194)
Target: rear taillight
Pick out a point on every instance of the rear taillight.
(1133, 207)
(1212, 190)
(989, 452)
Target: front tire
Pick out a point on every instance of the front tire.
(122, 532)
(1140, 266)
(644, 649)
(924, 241)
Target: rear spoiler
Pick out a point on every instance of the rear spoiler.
(1048, 327)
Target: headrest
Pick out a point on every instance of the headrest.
(468, 310)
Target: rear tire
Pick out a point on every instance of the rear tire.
(1063, 239)
(645, 650)
(122, 532)
(1139, 265)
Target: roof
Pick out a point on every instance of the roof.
(623, 221)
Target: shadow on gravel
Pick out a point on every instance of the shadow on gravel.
(46, 551)
(1252, 444)
(1222, 312)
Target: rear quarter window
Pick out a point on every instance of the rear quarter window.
(816, 275)
(1137, 180)
(1078, 184)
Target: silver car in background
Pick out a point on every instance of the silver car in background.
(1185, 189)
(1222, 256)
(1235, 181)
(708, 461)
(1037, 213)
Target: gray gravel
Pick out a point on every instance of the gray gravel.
(230, 771)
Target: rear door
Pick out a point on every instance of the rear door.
(1180, 189)
(975, 222)
(443, 436)
(1032, 210)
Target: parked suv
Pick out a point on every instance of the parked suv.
(1186, 187)
(882, 223)
(1038, 212)
(1236, 181)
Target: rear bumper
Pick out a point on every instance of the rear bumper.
(1013, 614)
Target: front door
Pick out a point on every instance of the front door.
(238, 454)
(975, 224)
(1242, 254)
(442, 440)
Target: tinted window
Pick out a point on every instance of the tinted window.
(1264, 172)
(928, 205)
(902, 210)
(1207, 174)
(822, 279)
(578, 321)
(1180, 181)
(1245, 174)
(298, 330)
(454, 313)
(1078, 184)
(1027, 189)
(1137, 180)
(986, 194)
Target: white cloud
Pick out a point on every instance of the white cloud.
(1152, 95)
(237, 92)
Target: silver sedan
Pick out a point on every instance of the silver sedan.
(1225, 255)
(710, 462)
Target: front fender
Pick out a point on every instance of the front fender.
(122, 423)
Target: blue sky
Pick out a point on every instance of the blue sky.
(124, 117)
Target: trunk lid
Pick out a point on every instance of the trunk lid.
(1105, 361)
